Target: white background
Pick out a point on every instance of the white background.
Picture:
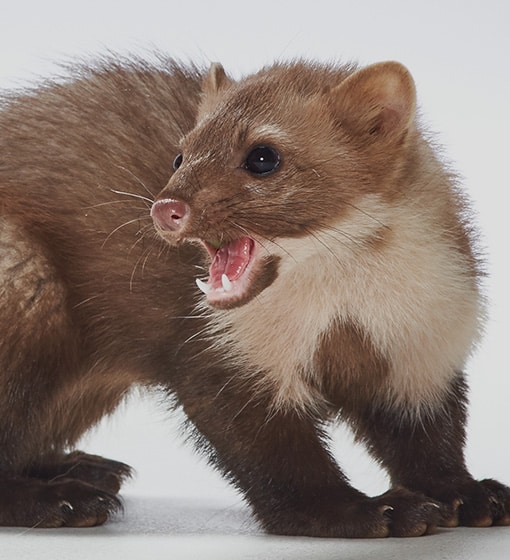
(458, 53)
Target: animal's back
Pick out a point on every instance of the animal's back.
(87, 291)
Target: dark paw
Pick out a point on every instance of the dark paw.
(409, 514)
(69, 503)
(104, 474)
(398, 513)
(478, 504)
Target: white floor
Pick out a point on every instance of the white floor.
(178, 508)
(157, 528)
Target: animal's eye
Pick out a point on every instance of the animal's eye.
(177, 162)
(262, 160)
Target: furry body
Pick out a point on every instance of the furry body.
(351, 291)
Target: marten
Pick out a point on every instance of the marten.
(273, 254)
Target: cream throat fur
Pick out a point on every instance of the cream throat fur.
(413, 296)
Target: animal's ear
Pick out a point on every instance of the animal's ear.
(216, 79)
(214, 84)
(376, 103)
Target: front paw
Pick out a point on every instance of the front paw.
(477, 504)
(397, 513)
(410, 514)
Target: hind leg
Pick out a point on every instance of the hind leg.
(55, 489)
(30, 502)
(71, 490)
(43, 403)
(105, 474)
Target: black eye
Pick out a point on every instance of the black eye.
(177, 162)
(262, 160)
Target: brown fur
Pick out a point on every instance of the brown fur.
(361, 300)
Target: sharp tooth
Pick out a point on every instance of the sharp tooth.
(203, 286)
(226, 283)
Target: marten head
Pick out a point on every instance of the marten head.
(283, 155)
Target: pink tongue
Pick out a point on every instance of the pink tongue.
(231, 259)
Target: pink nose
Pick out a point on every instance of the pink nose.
(169, 214)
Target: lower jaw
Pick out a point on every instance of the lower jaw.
(261, 276)
(228, 303)
(231, 295)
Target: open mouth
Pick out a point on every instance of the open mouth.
(232, 273)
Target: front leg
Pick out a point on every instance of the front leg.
(425, 452)
(279, 460)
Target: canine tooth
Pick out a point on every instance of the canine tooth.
(203, 286)
(226, 283)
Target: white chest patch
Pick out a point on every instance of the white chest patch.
(413, 294)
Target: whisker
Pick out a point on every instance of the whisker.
(257, 205)
(265, 238)
(326, 246)
(144, 264)
(330, 231)
(239, 412)
(138, 180)
(132, 278)
(139, 196)
(143, 232)
(187, 317)
(367, 214)
(112, 202)
(85, 301)
(224, 386)
(194, 337)
(129, 222)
